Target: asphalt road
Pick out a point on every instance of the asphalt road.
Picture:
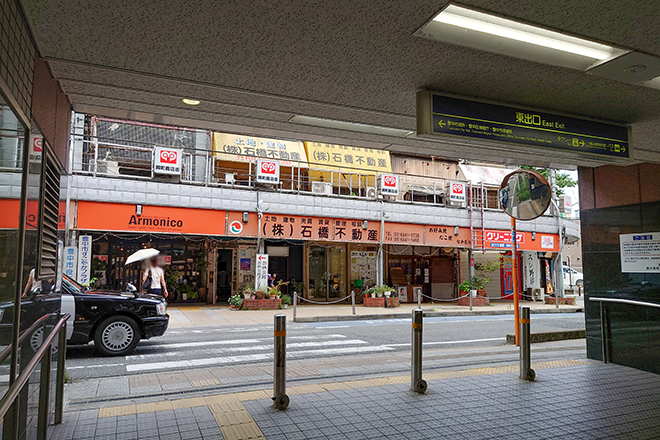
(190, 347)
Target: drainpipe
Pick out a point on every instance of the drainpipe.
(380, 268)
(559, 270)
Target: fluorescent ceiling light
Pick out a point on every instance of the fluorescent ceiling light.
(479, 30)
(351, 126)
(191, 101)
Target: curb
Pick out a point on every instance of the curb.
(551, 336)
(427, 314)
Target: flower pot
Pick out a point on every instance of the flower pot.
(481, 292)
(388, 294)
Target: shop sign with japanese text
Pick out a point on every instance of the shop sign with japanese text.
(268, 171)
(84, 259)
(36, 147)
(457, 192)
(70, 261)
(248, 149)
(439, 114)
(261, 272)
(167, 161)
(389, 185)
(446, 236)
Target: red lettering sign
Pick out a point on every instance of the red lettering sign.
(168, 156)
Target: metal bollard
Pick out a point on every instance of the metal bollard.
(61, 367)
(353, 300)
(417, 384)
(526, 371)
(295, 304)
(279, 386)
(419, 299)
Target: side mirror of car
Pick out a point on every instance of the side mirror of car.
(131, 288)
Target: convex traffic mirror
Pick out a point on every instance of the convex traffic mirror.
(525, 194)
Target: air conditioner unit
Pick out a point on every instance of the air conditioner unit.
(538, 294)
(372, 193)
(230, 178)
(321, 188)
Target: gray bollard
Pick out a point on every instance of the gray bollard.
(526, 371)
(419, 299)
(295, 304)
(279, 385)
(353, 300)
(417, 384)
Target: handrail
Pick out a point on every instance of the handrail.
(5, 353)
(626, 301)
(21, 380)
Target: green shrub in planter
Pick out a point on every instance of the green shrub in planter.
(286, 299)
(236, 301)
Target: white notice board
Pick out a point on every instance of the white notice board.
(640, 253)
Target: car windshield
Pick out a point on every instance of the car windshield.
(70, 286)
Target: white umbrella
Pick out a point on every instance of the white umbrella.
(142, 254)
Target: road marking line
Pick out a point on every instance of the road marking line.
(449, 342)
(252, 348)
(151, 366)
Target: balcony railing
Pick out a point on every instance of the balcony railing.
(204, 167)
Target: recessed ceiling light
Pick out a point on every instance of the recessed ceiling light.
(352, 126)
(479, 30)
(191, 101)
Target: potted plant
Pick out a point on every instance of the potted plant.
(236, 301)
(260, 294)
(480, 281)
(286, 301)
(298, 287)
(465, 287)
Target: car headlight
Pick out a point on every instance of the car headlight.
(161, 308)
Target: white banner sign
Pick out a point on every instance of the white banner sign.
(261, 272)
(457, 192)
(389, 185)
(70, 261)
(167, 161)
(531, 270)
(84, 259)
(268, 171)
(640, 253)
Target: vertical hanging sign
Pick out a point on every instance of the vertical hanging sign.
(261, 272)
(84, 259)
(70, 261)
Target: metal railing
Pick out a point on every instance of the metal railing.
(605, 322)
(43, 355)
(99, 157)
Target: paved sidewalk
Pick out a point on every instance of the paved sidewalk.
(84, 393)
(203, 315)
(573, 399)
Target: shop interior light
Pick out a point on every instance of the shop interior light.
(191, 101)
(467, 27)
(351, 126)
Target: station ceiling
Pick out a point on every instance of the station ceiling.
(254, 64)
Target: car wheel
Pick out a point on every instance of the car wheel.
(38, 337)
(117, 336)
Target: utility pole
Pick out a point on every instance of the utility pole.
(559, 270)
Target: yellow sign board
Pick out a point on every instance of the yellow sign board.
(351, 159)
(239, 148)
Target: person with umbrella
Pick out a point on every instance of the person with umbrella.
(153, 279)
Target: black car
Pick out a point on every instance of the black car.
(115, 321)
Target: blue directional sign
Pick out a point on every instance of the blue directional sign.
(445, 115)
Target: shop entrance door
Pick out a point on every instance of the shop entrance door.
(279, 266)
(317, 273)
(224, 267)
